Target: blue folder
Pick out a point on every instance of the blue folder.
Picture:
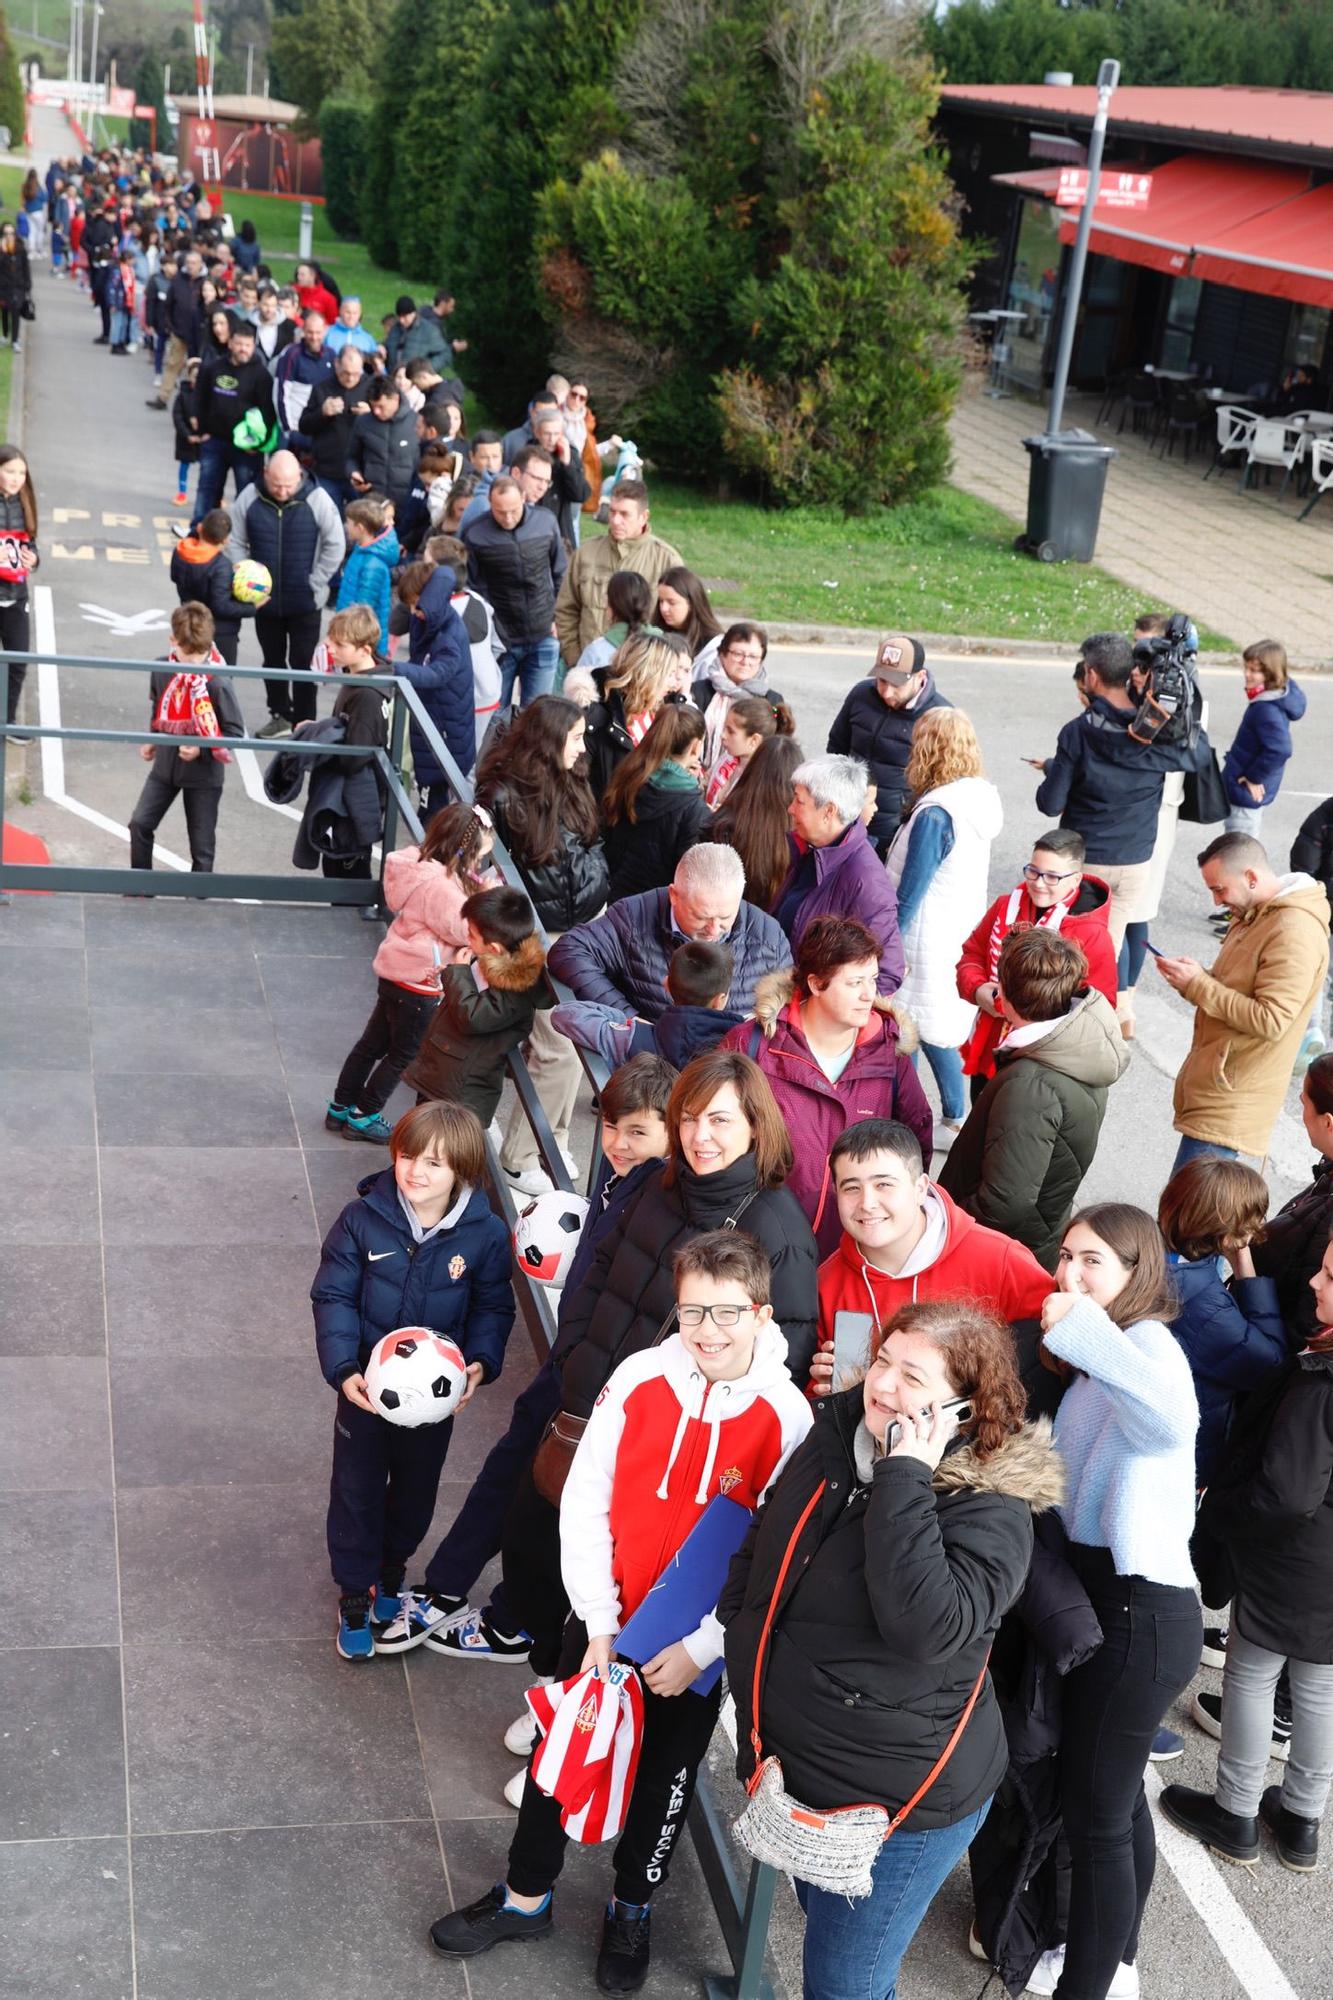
(688, 1588)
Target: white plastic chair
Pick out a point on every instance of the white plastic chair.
(1273, 442)
(1321, 471)
(1235, 427)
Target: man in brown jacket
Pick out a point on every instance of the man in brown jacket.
(1252, 1007)
(580, 611)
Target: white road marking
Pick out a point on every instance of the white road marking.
(124, 624)
(53, 749)
(1244, 1952)
(247, 763)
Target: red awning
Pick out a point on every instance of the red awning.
(1287, 252)
(1194, 199)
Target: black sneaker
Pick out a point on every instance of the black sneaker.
(1206, 1710)
(1297, 1839)
(1214, 1652)
(1232, 1835)
(475, 1638)
(622, 1962)
(467, 1933)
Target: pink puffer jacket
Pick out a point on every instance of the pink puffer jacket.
(427, 932)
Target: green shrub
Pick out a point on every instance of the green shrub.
(344, 132)
(13, 108)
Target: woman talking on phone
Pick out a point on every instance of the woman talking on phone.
(860, 1614)
(1125, 1430)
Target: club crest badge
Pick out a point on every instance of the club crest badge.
(729, 1480)
(457, 1266)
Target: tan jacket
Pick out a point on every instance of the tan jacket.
(1251, 1010)
(580, 609)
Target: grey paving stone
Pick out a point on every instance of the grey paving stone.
(310, 1094)
(686, 1942)
(164, 925)
(175, 1109)
(296, 986)
(42, 972)
(55, 1433)
(462, 1710)
(293, 1914)
(55, 1035)
(225, 975)
(48, 1194)
(65, 1920)
(213, 1553)
(62, 1762)
(214, 1299)
(280, 929)
(188, 1195)
(51, 1299)
(236, 1041)
(279, 1734)
(47, 1106)
(49, 1541)
(334, 1176)
(27, 920)
(220, 1423)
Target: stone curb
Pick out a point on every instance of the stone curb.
(970, 646)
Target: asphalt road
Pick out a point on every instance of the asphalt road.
(104, 471)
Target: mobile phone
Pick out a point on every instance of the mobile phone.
(960, 1408)
(1153, 949)
(851, 1345)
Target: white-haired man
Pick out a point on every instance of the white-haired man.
(835, 872)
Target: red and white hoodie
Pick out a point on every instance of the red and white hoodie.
(662, 1442)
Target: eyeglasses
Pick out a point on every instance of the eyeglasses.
(1048, 876)
(577, 396)
(694, 1316)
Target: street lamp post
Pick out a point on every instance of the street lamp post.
(1108, 76)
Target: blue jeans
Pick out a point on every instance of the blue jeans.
(532, 664)
(120, 327)
(218, 457)
(476, 1531)
(853, 1949)
(1201, 1149)
(947, 1068)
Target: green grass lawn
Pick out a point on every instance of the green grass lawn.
(11, 180)
(277, 223)
(943, 564)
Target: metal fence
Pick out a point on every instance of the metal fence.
(743, 1901)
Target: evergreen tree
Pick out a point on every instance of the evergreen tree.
(150, 88)
(13, 109)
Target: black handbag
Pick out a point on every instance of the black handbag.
(1205, 800)
(28, 310)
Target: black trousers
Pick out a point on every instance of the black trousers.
(288, 642)
(15, 637)
(534, 1596)
(1152, 1638)
(11, 322)
(388, 1043)
(381, 1495)
(676, 1735)
(201, 820)
(99, 278)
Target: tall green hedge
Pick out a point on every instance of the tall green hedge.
(344, 131)
(13, 108)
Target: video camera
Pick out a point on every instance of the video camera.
(1170, 710)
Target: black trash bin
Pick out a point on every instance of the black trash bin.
(1066, 480)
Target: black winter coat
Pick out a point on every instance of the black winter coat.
(1312, 849)
(1272, 1508)
(186, 446)
(15, 277)
(643, 855)
(224, 393)
(385, 454)
(889, 1611)
(331, 437)
(1293, 1248)
(519, 571)
(881, 737)
(568, 889)
(1104, 784)
(472, 1031)
(629, 1291)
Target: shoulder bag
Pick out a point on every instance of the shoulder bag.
(832, 1849)
(1204, 800)
(560, 1439)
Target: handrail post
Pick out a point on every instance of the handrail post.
(397, 732)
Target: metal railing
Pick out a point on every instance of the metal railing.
(743, 1902)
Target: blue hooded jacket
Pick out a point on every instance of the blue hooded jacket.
(439, 666)
(368, 576)
(1262, 746)
(374, 1276)
(1234, 1341)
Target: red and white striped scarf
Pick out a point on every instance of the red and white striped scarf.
(1007, 918)
(186, 707)
(592, 1731)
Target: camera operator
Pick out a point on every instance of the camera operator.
(1105, 782)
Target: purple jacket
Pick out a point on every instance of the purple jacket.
(878, 1082)
(847, 879)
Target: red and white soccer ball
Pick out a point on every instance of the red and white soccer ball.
(415, 1377)
(546, 1235)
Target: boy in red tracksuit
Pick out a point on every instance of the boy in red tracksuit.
(711, 1410)
(905, 1241)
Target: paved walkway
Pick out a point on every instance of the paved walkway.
(1239, 562)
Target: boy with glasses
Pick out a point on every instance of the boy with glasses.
(710, 1410)
(1056, 894)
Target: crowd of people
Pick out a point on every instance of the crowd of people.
(998, 1450)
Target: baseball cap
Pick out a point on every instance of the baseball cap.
(897, 658)
(405, 305)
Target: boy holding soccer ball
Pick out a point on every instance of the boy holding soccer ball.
(418, 1247)
(203, 573)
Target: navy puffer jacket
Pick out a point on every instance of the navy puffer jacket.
(439, 666)
(373, 1276)
(621, 958)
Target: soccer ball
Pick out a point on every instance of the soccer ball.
(415, 1377)
(546, 1235)
(251, 583)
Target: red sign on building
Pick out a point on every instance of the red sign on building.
(1115, 191)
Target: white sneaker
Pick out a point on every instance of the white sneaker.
(572, 1167)
(945, 1133)
(532, 1181)
(514, 1791)
(1124, 1985)
(494, 1134)
(521, 1735)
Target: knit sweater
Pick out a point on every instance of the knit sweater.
(1125, 1430)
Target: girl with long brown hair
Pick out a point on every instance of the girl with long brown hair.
(18, 559)
(754, 820)
(654, 808)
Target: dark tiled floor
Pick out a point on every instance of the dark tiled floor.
(295, 1824)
